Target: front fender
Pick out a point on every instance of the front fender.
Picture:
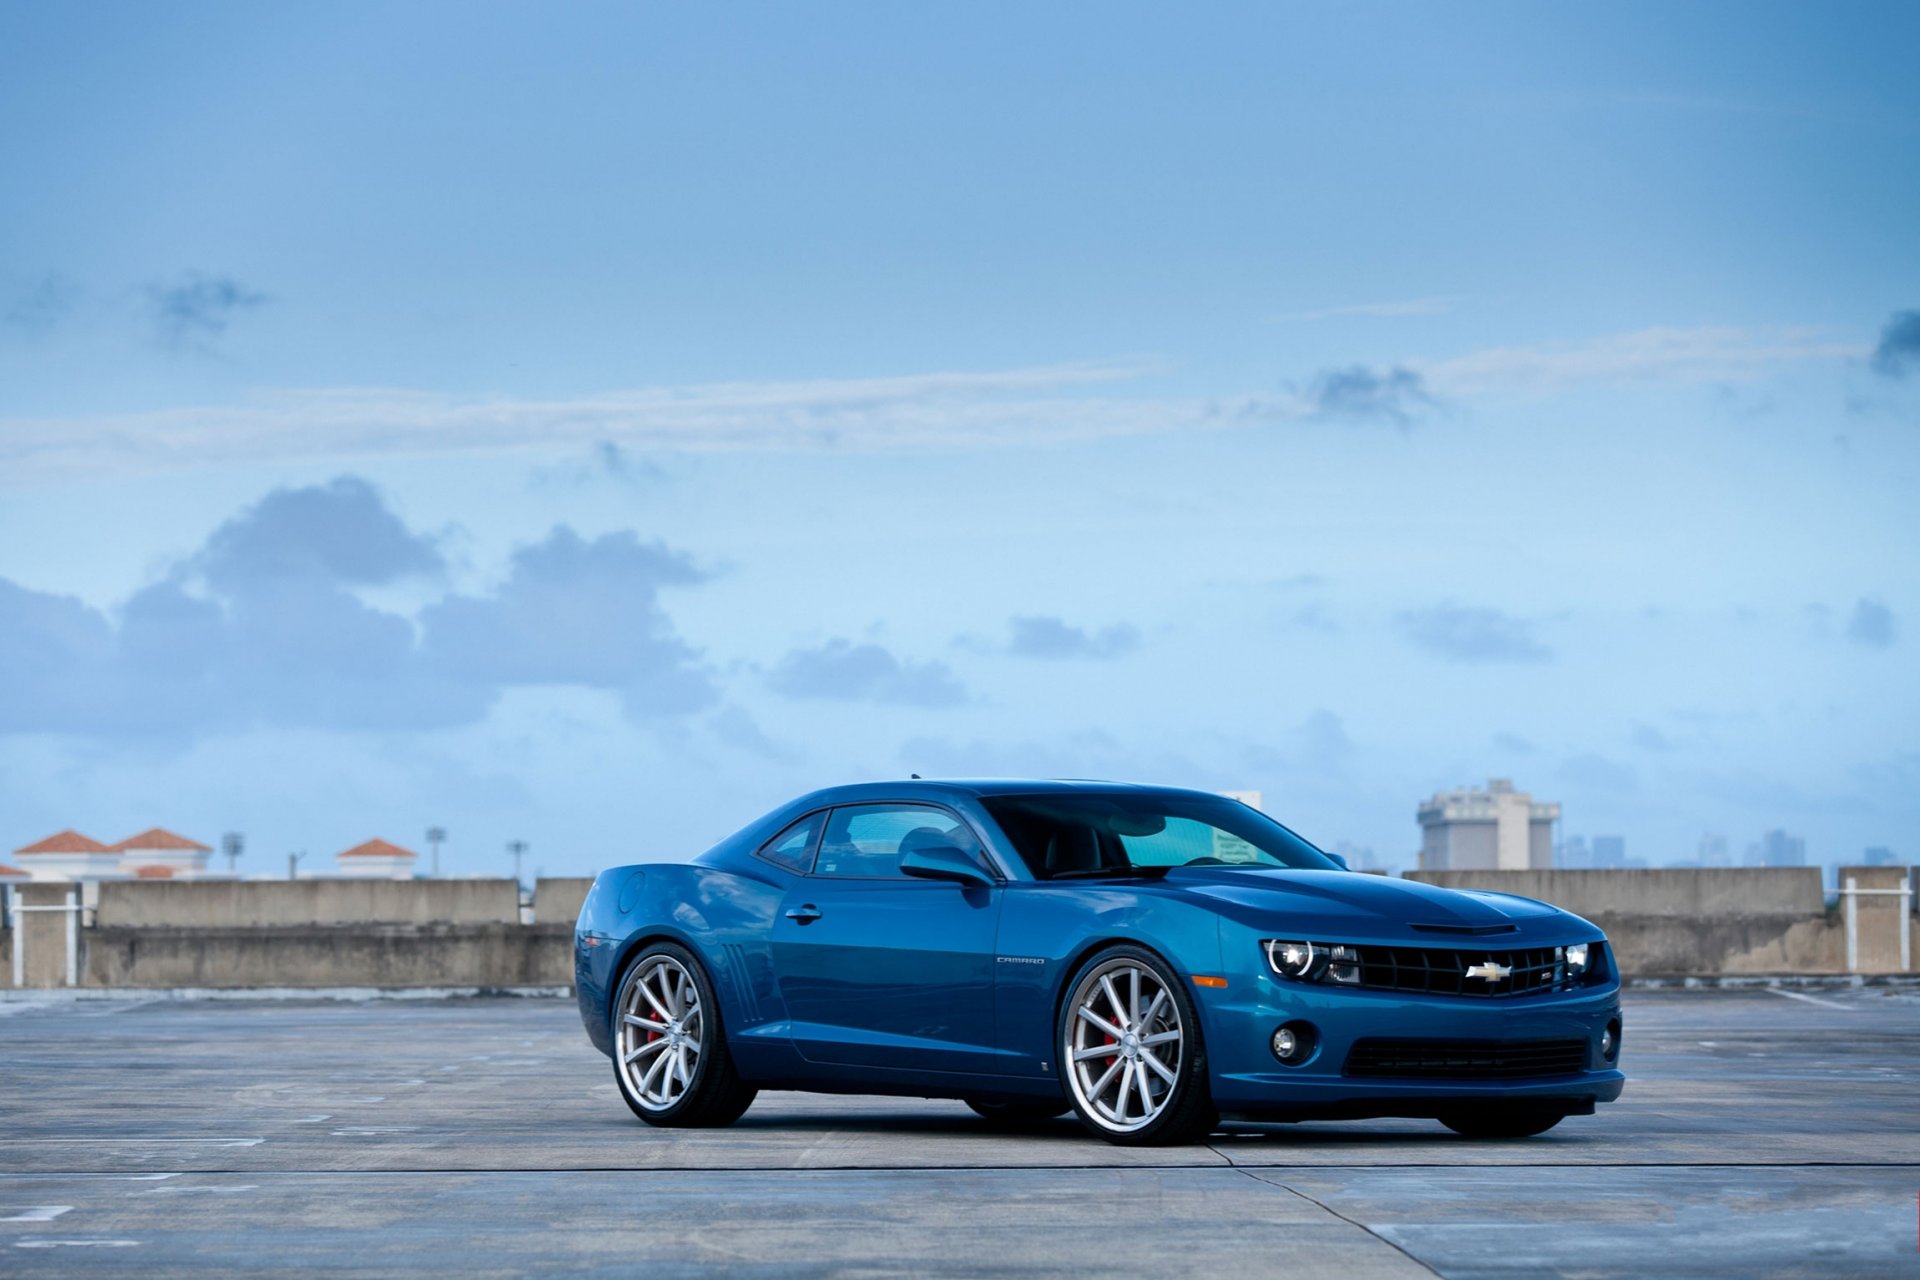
(1048, 930)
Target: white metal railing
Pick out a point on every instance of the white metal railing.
(1853, 893)
(15, 908)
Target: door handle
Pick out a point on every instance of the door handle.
(805, 915)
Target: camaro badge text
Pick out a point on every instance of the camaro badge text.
(1491, 971)
(1020, 960)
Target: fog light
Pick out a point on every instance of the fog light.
(1293, 1043)
(1610, 1041)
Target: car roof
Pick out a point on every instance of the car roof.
(935, 788)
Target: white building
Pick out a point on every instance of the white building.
(1498, 829)
(158, 854)
(69, 856)
(376, 860)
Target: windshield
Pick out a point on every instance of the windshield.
(1089, 835)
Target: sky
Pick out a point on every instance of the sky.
(593, 425)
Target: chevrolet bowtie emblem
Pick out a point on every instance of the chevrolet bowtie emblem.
(1491, 971)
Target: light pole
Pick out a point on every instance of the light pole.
(518, 849)
(293, 864)
(434, 837)
(232, 845)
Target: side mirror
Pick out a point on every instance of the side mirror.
(943, 862)
(1337, 860)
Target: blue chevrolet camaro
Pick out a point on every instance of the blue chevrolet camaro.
(1152, 958)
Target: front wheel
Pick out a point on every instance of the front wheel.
(1517, 1122)
(669, 1052)
(1131, 1057)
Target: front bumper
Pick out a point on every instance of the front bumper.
(1248, 1079)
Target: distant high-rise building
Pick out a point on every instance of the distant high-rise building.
(1878, 856)
(1609, 853)
(1712, 851)
(1496, 829)
(1777, 849)
(1359, 857)
(1572, 854)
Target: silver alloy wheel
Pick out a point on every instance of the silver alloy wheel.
(662, 1030)
(1123, 1045)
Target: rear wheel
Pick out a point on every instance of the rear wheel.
(1016, 1115)
(669, 1053)
(1512, 1122)
(1130, 1052)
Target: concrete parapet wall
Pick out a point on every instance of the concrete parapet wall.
(239, 904)
(556, 900)
(486, 955)
(1680, 891)
(1746, 920)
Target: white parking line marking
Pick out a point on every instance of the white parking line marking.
(75, 1244)
(121, 1142)
(1824, 1004)
(39, 1213)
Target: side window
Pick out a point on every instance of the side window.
(793, 848)
(866, 839)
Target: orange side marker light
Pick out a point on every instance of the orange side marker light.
(1206, 980)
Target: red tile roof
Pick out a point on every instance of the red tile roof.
(153, 873)
(66, 842)
(160, 838)
(378, 849)
(11, 873)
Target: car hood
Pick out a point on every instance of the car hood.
(1339, 904)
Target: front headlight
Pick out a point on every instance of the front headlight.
(1300, 960)
(1576, 959)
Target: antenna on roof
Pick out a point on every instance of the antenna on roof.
(916, 777)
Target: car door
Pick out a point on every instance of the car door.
(878, 969)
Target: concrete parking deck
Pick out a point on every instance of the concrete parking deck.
(1761, 1133)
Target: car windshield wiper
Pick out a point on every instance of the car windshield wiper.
(1099, 873)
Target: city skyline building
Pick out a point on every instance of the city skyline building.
(1496, 828)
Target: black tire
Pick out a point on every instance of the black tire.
(1017, 1115)
(715, 1096)
(1509, 1122)
(1185, 1106)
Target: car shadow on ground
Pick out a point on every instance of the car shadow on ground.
(1068, 1130)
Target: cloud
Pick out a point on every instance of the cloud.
(1052, 404)
(1402, 307)
(1038, 636)
(35, 307)
(1462, 634)
(1648, 738)
(198, 308)
(734, 727)
(263, 627)
(1708, 354)
(1898, 353)
(339, 532)
(1361, 394)
(1597, 773)
(843, 671)
(1872, 624)
(932, 410)
(574, 612)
